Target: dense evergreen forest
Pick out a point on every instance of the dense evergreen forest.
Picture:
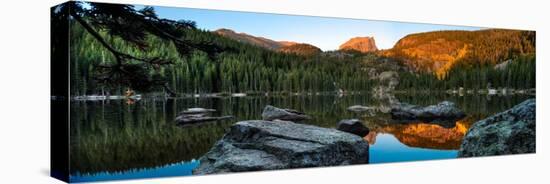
(245, 68)
(518, 73)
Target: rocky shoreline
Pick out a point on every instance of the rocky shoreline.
(510, 132)
(278, 142)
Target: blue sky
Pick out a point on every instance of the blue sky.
(325, 33)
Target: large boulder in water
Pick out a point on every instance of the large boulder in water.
(353, 126)
(442, 111)
(266, 145)
(508, 132)
(273, 113)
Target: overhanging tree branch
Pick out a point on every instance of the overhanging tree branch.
(120, 57)
(134, 26)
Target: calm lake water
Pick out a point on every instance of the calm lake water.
(115, 140)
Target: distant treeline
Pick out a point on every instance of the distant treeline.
(518, 73)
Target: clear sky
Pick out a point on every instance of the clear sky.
(325, 33)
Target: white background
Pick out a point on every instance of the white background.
(24, 90)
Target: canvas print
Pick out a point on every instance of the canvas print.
(150, 91)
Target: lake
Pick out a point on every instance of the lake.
(117, 139)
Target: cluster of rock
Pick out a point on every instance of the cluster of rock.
(278, 143)
(509, 132)
(197, 115)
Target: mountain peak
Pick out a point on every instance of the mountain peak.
(224, 30)
(287, 43)
(282, 46)
(303, 49)
(246, 38)
(361, 44)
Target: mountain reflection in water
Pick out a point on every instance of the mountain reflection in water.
(427, 135)
(113, 139)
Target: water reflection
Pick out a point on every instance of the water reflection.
(115, 137)
(371, 137)
(428, 135)
(111, 139)
(389, 149)
(177, 169)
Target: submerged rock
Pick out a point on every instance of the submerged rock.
(443, 111)
(366, 111)
(508, 132)
(192, 119)
(265, 145)
(197, 110)
(197, 115)
(272, 113)
(360, 108)
(353, 126)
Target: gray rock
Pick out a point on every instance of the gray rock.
(353, 126)
(387, 82)
(189, 119)
(266, 145)
(443, 111)
(503, 65)
(360, 108)
(197, 110)
(272, 113)
(389, 79)
(364, 110)
(508, 132)
(388, 75)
